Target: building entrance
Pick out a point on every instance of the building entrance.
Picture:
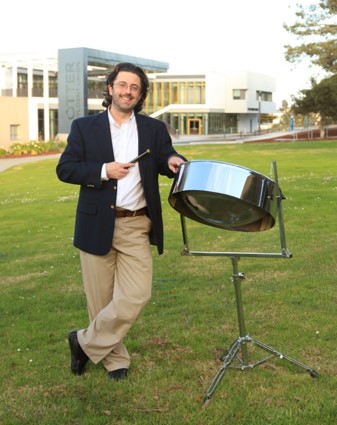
(193, 126)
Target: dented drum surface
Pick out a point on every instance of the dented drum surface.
(224, 195)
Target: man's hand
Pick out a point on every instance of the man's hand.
(118, 170)
(174, 162)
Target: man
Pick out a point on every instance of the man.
(118, 214)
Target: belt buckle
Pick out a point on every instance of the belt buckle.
(134, 213)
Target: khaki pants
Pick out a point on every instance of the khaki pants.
(117, 287)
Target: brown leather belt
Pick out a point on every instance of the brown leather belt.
(127, 213)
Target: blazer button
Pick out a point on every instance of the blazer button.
(112, 207)
(115, 188)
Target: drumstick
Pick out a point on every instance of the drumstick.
(134, 160)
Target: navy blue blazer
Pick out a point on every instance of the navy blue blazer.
(89, 147)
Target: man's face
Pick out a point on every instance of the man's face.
(125, 91)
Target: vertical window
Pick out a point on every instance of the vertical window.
(40, 118)
(15, 133)
(182, 90)
(175, 95)
(53, 123)
(190, 92)
(37, 83)
(52, 81)
(198, 93)
(22, 88)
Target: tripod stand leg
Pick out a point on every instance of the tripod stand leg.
(269, 349)
(227, 360)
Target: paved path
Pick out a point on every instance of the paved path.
(6, 163)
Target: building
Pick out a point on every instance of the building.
(211, 103)
(40, 95)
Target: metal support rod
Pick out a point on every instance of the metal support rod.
(184, 231)
(280, 198)
(237, 278)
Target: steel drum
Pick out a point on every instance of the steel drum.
(224, 195)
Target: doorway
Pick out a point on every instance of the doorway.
(194, 126)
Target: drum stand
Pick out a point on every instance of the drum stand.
(240, 344)
(238, 349)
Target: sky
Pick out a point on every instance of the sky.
(192, 36)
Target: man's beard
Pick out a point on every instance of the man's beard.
(121, 106)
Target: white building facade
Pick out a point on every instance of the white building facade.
(210, 103)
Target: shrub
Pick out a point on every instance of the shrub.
(33, 148)
(3, 152)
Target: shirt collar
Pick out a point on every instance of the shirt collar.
(113, 122)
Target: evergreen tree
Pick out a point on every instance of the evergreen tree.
(320, 99)
(316, 29)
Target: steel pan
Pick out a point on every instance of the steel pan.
(224, 195)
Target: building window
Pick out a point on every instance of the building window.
(53, 123)
(37, 83)
(22, 88)
(239, 94)
(52, 81)
(264, 95)
(15, 132)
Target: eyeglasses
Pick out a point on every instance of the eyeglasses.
(124, 86)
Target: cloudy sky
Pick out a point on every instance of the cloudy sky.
(191, 36)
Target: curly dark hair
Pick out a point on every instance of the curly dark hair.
(128, 67)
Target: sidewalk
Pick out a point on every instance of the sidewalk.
(232, 139)
(6, 163)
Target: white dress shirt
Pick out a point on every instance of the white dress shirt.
(130, 194)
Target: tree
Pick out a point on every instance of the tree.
(316, 28)
(286, 114)
(320, 99)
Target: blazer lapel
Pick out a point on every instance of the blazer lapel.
(104, 136)
(144, 140)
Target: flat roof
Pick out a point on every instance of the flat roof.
(105, 57)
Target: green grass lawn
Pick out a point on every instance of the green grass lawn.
(176, 344)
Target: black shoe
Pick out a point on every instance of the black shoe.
(118, 374)
(78, 356)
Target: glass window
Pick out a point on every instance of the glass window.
(52, 81)
(15, 132)
(264, 96)
(239, 94)
(22, 89)
(37, 84)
